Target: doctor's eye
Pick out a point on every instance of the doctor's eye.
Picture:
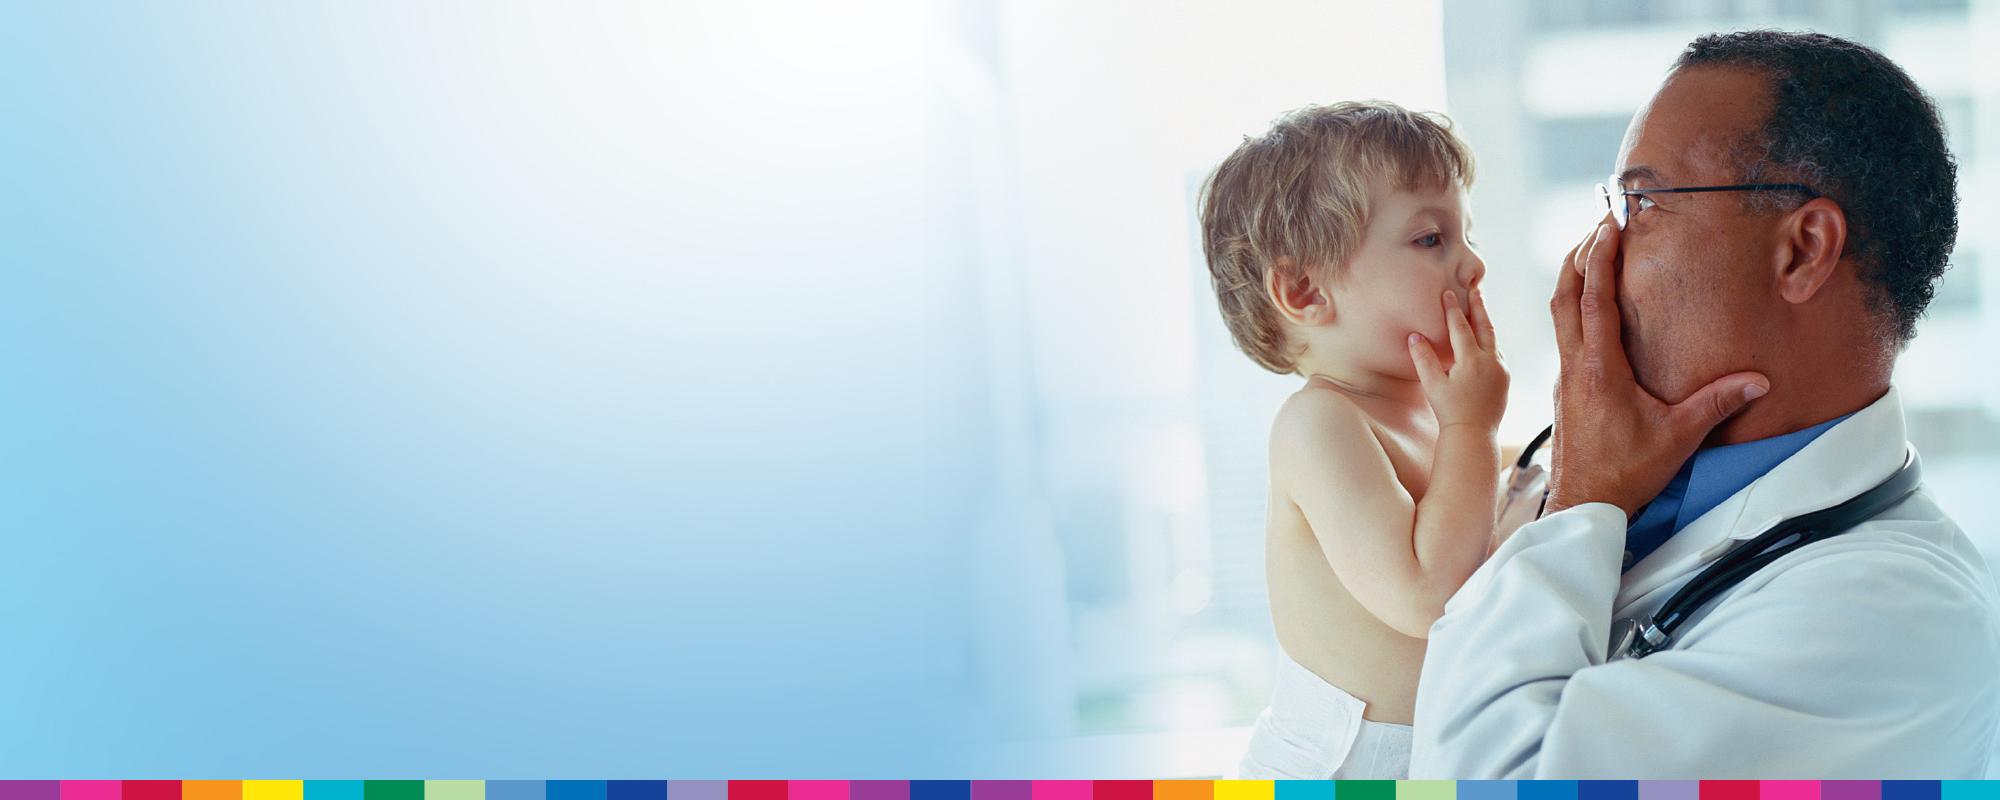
(1429, 240)
(1644, 203)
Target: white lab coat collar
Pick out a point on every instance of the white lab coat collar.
(1848, 459)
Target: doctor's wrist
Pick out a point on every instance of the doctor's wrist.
(1557, 503)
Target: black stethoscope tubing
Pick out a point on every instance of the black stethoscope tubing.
(1740, 562)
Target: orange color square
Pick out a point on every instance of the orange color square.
(211, 790)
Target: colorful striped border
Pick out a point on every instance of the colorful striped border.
(1000, 790)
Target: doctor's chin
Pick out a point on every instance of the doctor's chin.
(1000, 400)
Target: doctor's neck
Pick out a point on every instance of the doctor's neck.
(1820, 364)
(1797, 402)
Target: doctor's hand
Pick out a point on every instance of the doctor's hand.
(1615, 442)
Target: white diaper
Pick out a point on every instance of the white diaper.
(1314, 731)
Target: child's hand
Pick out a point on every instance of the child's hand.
(1474, 392)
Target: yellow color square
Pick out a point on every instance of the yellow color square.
(1243, 790)
(274, 790)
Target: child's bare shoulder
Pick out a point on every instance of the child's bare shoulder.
(1322, 432)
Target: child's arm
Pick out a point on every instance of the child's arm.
(1401, 559)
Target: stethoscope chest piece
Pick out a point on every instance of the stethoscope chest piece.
(1631, 638)
(1623, 633)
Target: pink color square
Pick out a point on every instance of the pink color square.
(1788, 790)
(91, 790)
(828, 790)
(1061, 790)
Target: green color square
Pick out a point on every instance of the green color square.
(392, 790)
(1364, 790)
(454, 790)
(1426, 790)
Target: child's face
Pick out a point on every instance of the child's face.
(1415, 249)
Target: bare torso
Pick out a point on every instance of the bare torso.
(1319, 623)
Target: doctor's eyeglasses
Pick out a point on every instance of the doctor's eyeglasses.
(1624, 203)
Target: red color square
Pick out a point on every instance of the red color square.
(759, 790)
(152, 790)
(1729, 790)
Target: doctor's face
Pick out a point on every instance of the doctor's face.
(1691, 289)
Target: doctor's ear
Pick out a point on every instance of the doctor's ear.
(1297, 294)
(1813, 240)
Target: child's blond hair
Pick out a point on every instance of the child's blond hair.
(1300, 193)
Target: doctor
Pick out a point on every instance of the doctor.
(1726, 360)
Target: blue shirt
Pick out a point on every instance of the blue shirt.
(1709, 477)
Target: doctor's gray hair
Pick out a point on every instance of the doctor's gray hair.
(1847, 121)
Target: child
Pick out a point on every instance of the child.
(1337, 243)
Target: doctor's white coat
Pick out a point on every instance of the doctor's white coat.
(1874, 654)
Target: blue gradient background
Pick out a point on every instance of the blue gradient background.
(485, 390)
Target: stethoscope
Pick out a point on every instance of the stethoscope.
(1638, 639)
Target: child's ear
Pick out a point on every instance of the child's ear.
(1297, 295)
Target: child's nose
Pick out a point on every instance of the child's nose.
(1473, 271)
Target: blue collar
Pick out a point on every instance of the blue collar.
(1710, 476)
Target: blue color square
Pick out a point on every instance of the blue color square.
(1302, 790)
(333, 790)
(1546, 790)
(1487, 790)
(945, 790)
(1910, 790)
(575, 790)
(1607, 790)
(513, 790)
(635, 790)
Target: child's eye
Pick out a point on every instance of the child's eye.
(1430, 240)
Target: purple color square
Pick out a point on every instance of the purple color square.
(30, 790)
(874, 790)
(1002, 790)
